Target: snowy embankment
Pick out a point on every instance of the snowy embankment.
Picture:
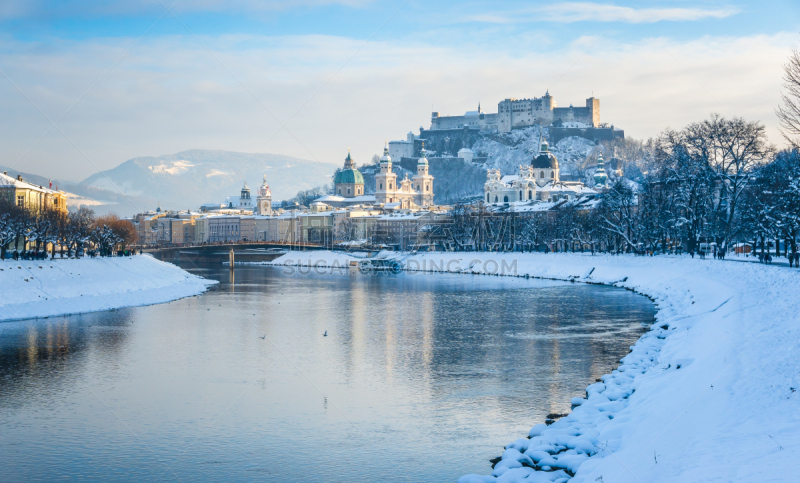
(45, 288)
(709, 394)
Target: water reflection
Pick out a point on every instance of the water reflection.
(421, 377)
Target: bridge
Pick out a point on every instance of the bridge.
(243, 252)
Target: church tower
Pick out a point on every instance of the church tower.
(244, 198)
(600, 176)
(264, 199)
(423, 182)
(385, 181)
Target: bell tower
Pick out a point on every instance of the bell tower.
(264, 199)
(244, 198)
(422, 182)
(386, 181)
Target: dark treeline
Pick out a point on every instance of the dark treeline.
(716, 182)
(32, 232)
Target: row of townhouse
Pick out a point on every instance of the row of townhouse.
(343, 227)
(166, 228)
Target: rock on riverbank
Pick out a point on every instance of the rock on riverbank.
(45, 288)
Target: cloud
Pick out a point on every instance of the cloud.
(13, 9)
(168, 94)
(569, 12)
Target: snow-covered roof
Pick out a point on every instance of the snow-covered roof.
(340, 199)
(8, 181)
(330, 198)
(401, 216)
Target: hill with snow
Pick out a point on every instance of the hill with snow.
(508, 151)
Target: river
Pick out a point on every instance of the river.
(421, 377)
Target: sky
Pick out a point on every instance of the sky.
(88, 84)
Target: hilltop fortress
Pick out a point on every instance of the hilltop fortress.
(519, 113)
(450, 134)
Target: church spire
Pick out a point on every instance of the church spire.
(600, 176)
(348, 161)
(386, 159)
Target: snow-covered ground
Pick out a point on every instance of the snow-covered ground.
(45, 288)
(709, 394)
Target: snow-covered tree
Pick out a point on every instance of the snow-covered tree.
(619, 217)
(789, 112)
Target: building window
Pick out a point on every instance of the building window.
(520, 195)
(495, 199)
(348, 191)
(552, 174)
(21, 200)
(505, 199)
(381, 185)
(487, 197)
(541, 174)
(530, 194)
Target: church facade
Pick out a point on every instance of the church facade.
(417, 191)
(540, 181)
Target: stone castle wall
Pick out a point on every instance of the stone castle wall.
(520, 113)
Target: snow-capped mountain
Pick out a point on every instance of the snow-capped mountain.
(190, 178)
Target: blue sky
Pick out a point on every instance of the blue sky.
(309, 78)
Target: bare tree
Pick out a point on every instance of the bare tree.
(618, 213)
(78, 230)
(789, 112)
(8, 213)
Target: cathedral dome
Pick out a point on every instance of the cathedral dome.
(545, 159)
(352, 176)
(349, 175)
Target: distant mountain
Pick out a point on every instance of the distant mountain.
(77, 195)
(190, 178)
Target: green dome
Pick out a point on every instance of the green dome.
(348, 176)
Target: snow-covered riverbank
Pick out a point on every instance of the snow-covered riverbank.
(45, 288)
(711, 393)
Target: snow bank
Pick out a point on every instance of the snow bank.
(709, 394)
(319, 259)
(45, 288)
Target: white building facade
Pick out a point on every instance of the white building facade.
(538, 182)
(417, 191)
